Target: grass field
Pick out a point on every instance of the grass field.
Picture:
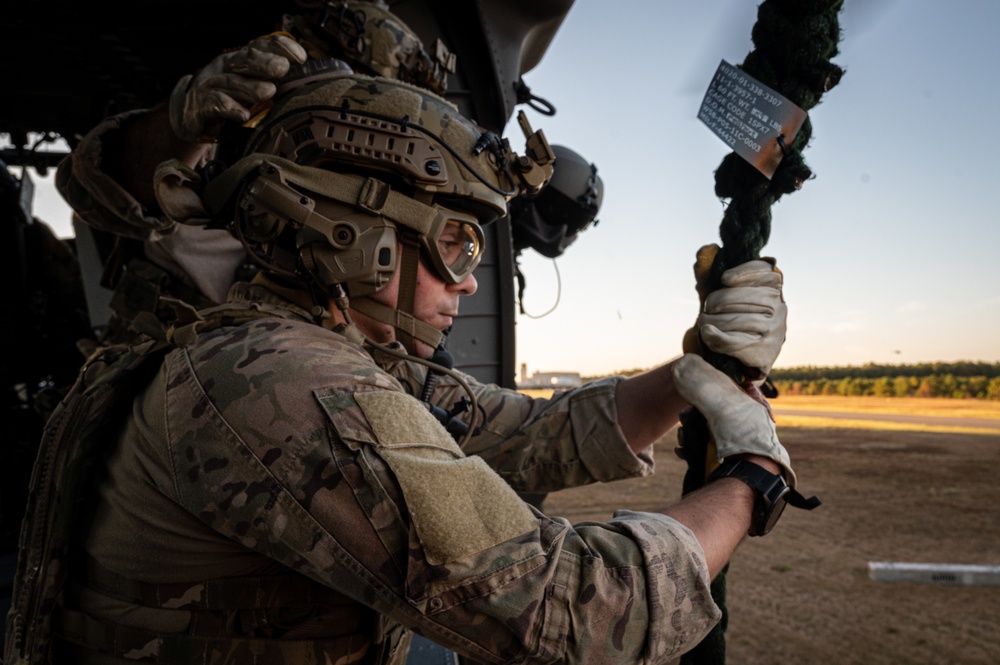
(876, 413)
(974, 408)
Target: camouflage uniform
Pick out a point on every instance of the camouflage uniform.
(277, 495)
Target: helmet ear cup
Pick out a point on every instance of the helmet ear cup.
(302, 232)
(363, 266)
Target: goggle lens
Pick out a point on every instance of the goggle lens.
(456, 248)
(459, 246)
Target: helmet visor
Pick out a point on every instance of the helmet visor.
(455, 246)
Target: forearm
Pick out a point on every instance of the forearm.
(719, 515)
(543, 445)
(648, 405)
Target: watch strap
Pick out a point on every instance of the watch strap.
(771, 490)
(796, 500)
(794, 497)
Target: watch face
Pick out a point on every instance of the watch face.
(769, 520)
(770, 501)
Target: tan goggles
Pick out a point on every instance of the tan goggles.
(455, 246)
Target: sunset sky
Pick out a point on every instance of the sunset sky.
(889, 254)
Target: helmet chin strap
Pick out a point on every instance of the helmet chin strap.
(407, 296)
(408, 328)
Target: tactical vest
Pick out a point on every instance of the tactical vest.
(235, 620)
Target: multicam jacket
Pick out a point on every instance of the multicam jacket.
(278, 495)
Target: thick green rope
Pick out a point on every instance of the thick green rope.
(793, 43)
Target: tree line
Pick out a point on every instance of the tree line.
(957, 380)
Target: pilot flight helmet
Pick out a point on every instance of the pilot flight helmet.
(553, 219)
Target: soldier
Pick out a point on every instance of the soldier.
(291, 485)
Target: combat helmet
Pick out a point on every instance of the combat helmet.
(366, 34)
(346, 168)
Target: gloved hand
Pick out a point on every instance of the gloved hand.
(747, 318)
(738, 423)
(226, 87)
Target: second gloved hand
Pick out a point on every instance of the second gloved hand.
(747, 318)
(738, 423)
(226, 88)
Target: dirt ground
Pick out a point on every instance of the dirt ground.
(803, 594)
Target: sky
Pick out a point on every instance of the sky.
(889, 253)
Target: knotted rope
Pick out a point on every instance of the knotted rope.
(793, 42)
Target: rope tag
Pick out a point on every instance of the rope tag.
(754, 120)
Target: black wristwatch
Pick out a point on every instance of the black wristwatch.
(771, 490)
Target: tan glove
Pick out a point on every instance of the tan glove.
(747, 318)
(738, 423)
(226, 88)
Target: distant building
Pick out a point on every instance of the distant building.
(549, 380)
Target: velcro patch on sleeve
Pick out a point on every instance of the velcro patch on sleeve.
(397, 419)
(457, 504)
